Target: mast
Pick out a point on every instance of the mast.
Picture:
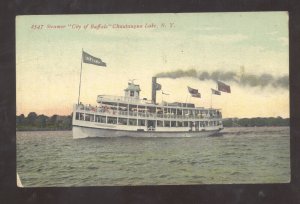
(80, 78)
(210, 99)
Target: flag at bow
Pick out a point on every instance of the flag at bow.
(89, 59)
(194, 92)
(223, 87)
(213, 91)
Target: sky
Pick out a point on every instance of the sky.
(49, 49)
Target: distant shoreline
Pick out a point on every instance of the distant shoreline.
(39, 129)
(256, 122)
(34, 122)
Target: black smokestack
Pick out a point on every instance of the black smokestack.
(154, 90)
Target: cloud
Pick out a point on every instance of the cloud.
(272, 33)
(222, 38)
(207, 28)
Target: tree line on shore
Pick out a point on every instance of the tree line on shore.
(43, 122)
(56, 122)
(256, 122)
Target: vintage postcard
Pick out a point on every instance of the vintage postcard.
(152, 99)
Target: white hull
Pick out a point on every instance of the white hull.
(84, 132)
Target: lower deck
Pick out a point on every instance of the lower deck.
(137, 123)
(148, 126)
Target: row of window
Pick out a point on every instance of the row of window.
(135, 122)
(145, 109)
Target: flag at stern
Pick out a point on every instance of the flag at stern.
(223, 87)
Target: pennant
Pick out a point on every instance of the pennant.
(223, 87)
(89, 59)
(213, 91)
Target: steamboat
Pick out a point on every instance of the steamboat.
(128, 115)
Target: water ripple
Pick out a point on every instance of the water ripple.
(241, 155)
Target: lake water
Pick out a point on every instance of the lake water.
(239, 155)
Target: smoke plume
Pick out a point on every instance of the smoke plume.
(243, 79)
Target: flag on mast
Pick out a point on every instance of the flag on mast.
(194, 92)
(213, 91)
(89, 59)
(223, 87)
(157, 86)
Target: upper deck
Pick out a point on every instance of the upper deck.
(122, 99)
(115, 100)
(144, 113)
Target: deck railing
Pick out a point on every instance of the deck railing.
(119, 113)
(122, 99)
